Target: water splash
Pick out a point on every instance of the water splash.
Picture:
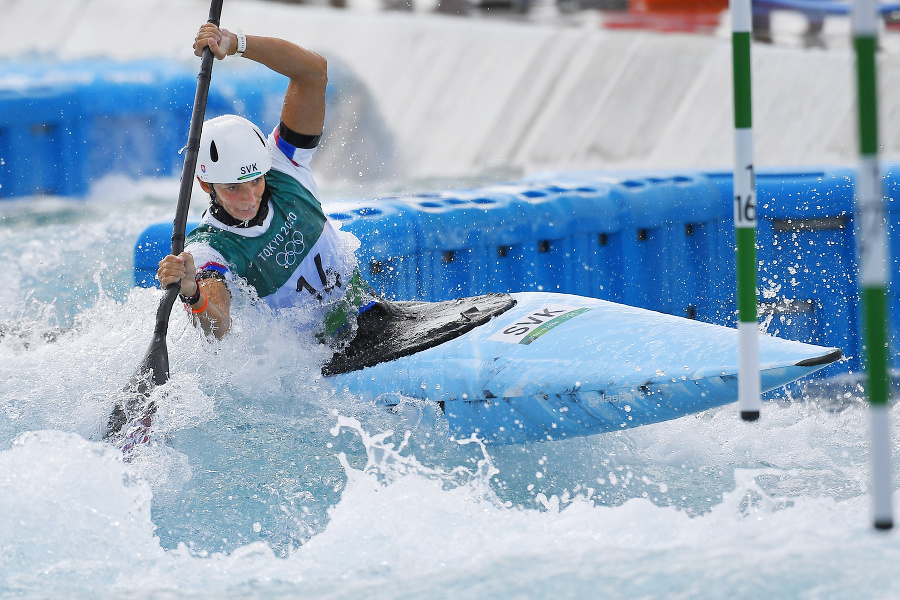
(245, 490)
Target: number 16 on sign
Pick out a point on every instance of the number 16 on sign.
(745, 197)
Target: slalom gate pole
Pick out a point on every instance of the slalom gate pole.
(749, 401)
(871, 243)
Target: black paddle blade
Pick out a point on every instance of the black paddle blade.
(130, 421)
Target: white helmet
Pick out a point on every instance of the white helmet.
(232, 150)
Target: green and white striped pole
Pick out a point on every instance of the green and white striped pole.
(871, 243)
(749, 401)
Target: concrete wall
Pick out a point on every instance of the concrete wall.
(453, 97)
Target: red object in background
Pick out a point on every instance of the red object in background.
(679, 6)
(892, 21)
(693, 16)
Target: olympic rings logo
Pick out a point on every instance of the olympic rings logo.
(293, 248)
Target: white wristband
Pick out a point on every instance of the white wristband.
(242, 43)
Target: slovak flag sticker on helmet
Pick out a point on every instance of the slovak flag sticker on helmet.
(203, 168)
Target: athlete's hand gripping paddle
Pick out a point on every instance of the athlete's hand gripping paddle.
(129, 423)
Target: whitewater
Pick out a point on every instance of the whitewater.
(263, 481)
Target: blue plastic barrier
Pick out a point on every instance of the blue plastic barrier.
(594, 256)
(672, 225)
(597, 231)
(471, 242)
(807, 273)
(134, 117)
(575, 238)
(541, 258)
(110, 117)
(666, 228)
(387, 231)
(691, 229)
(39, 151)
(64, 125)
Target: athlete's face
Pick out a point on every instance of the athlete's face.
(241, 200)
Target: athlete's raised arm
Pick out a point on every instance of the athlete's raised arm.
(304, 102)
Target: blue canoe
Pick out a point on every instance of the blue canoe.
(557, 366)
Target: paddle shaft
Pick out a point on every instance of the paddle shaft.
(130, 421)
(187, 176)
